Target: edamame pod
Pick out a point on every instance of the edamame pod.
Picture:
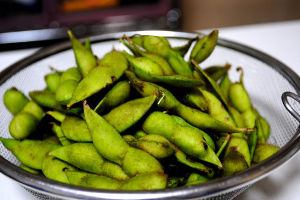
(225, 85)
(85, 156)
(92, 180)
(204, 47)
(146, 181)
(34, 109)
(239, 97)
(57, 115)
(29, 152)
(216, 72)
(84, 57)
(59, 133)
(71, 73)
(29, 169)
(65, 91)
(117, 95)
(233, 163)
(22, 125)
(52, 81)
(195, 179)
(264, 151)
(54, 169)
(195, 99)
(75, 129)
(14, 100)
(129, 113)
(113, 65)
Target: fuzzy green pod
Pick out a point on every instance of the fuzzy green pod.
(233, 163)
(85, 156)
(146, 181)
(239, 97)
(92, 180)
(34, 109)
(54, 169)
(127, 114)
(22, 125)
(156, 145)
(204, 47)
(195, 179)
(52, 81)
(71, 73)
(14, 100)
(106, 139)
(84, 57)
(65, 91)
(111, 69)
(29, 152)
(264, 151)
(117, 95)
(75, 129)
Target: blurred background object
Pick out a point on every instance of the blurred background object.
(26, 23)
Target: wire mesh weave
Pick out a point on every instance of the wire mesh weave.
(263, 83)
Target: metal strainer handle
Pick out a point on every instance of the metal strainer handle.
(288, 106)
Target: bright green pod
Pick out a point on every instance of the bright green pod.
(249, 118)
(117, 95)
(264, 151)
(85, 179)
(239, 145)
(183, 49)
(169, 102)
(216, 108)
(207, 138)
(75, 129)
(217, 72)
(22, 125)
(29, 169)
(84, 57)
(85, 156)
(146, 181)
(265, 127)
(195, 179)
(179, 65)
(225, 85)
(129, 138)
(195, 99)
(260, 132)
(155, 44)
(54, 169)
(204, 47)
(185, 138)
(57, 115)
(14, 100)
(156, 145)
(237, 117)
(106, 139)
(65, 91)
(129, 113)
(113, 65)
(182, 158)
(34, 109)
(222, 143)
(166, 98)
(252, 140)
(234, 163)
(148, 70)
(239, 97)
(71, 73)
(137, 161)
(52, 81)
(44, 98)
(29, 152)
(139, 134)
(60, 135)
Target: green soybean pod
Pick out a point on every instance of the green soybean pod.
(217, 72)
(195, 99)
(52, 81)
(60, 135)
(195, 179)
(71, 73)
(22, 125)
(75, 129)
(154, 181)
(264, 151)
(34, 109)
(65, 91)
(117, 95)
(14, 100)
(233, 163)
(239, 97)
(92, 180)
(29, 169)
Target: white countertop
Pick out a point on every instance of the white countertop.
(280, 40)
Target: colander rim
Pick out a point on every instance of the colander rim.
(216, 187)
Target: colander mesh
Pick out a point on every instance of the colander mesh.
(264, 84)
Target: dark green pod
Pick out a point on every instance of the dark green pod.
(14, 100)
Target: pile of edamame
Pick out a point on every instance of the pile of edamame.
(143, 120)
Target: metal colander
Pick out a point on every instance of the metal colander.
(266, 79)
